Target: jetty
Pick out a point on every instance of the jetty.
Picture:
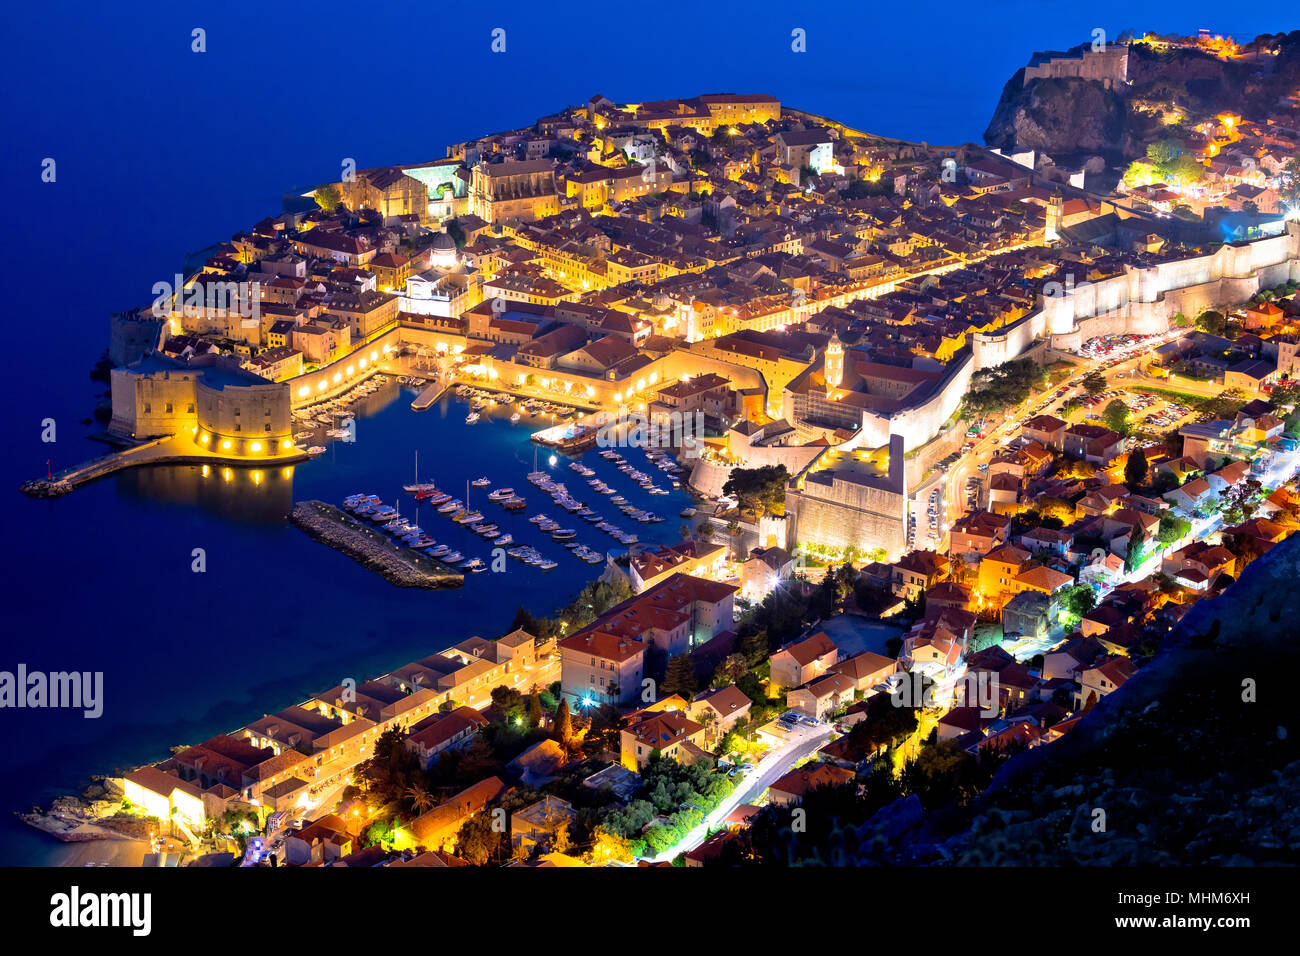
(430, 396)
(367, 546)
(167, 450)
(571, 438)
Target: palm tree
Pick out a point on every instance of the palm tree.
(421, 800)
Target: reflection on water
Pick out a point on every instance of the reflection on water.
(246, 495)
(256, 496)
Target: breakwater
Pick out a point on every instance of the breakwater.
(367, 546)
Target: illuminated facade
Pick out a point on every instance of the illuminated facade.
(228, 412)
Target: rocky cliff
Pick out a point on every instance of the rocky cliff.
(1072, 118)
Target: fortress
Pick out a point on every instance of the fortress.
(1139, 300)
(845, 510)
(1108, 66)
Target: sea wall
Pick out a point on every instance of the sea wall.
(366, 546)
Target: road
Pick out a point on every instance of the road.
(769, 770)
(1041, 402)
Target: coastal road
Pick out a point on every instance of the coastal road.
(769, 770)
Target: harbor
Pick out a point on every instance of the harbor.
(361, 623)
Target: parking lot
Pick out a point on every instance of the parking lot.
(1119, 346)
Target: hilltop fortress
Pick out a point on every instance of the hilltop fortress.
(1108, 65)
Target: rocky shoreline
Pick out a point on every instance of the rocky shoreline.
(95, 815)
(400, 566)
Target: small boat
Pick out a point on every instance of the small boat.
(448, 507)
(501, 494)
(515, 504)
(454, 558)
(564, 534)
(439, 551)
(471, 418)
(505, 540)
(546, 565)
(688, 512)
(473, 564)
(618, 500)
(481, 482)
(417, 488)
(315, 450)
(302, 436)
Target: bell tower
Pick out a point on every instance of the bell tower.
(1055, 217)
(834, 362)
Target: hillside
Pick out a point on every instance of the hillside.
(1186, 770)
(1073, 119)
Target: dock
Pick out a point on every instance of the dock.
(168, 450)
(369, 547)
(571, 438)
(430, 396)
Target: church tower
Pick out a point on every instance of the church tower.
(834, 362)
(1055, 217)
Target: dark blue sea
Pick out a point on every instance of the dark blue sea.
(160, 151)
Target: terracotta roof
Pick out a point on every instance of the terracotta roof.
(809, 649)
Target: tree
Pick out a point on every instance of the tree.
(419, 798)
(680, 677)
(1286, 393)
(479, 843)
(758, 490)
(734, 532)
(885, 723)
(527, 621)
(754, 647)
(996, 389)
(1239, 502)
(508, 702)
(1077, 601)
(609, 846)
(535, 710)
(1136, 546)
(1162, 153)
(1115, 417)
(1135, 469)
(328, 197)
(564, 724)
(1094, 383)
(1290, 181)
(1172, 528)
(1215, 323)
